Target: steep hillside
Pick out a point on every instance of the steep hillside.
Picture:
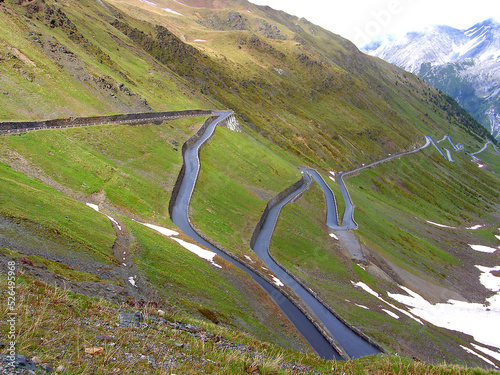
(73, 200)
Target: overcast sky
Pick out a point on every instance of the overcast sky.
(364, 20)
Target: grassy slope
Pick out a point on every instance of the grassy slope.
(49, 86)
(391, 208)
(238, 175)
(132, 170)
(333, 108)
(49, 213)
(330, 116)
(73, 321)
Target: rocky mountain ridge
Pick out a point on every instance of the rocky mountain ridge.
(462, 63)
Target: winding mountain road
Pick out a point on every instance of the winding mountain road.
(180, 218)
(346, 342)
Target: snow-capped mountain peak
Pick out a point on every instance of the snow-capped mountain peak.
(443, 44)
(463, 63)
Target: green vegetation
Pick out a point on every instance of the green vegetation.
(395, 200)
(35, 208)
(76, 322)
(182, 277)
(238, 176)
(135, 166)
(52, 266)
(304, 97)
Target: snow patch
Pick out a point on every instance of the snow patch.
(172, 11)
(366, 288)
(131, 280)
(332, 178)
(489, 280)
(476, 227)
(164, 231)
(202, 253)
(250, 259)
(492, 353)
(93, 206)
(497, 236)
(391, 314)
(200, 40)
(277, 281)
(369, 290)
(440, 225)
(334, 236)
(483, 249)
(149, 2)
(362, 306)
(114, 221)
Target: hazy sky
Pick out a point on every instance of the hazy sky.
(363, 20)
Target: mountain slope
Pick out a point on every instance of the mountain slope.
(462, 63)
(303, 96)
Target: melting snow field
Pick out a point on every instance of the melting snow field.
(369, 290)
(477, 355)
(477, 320)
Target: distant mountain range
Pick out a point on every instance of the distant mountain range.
(464, 64)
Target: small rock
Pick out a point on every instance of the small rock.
(94, 351)
(46, 367)
(21, 361)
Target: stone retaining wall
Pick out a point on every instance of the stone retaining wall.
(131, 118)
(273, 202)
